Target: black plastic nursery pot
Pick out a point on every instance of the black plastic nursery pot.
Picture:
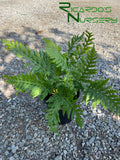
(63, 118)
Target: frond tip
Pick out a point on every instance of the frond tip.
(98, 92)
(25, 83)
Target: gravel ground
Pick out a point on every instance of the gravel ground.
(23, 129)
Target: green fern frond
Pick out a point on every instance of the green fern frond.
(54, 52)
(76, 50)
(59, 101)
(52, 114)
(68, 81)
(79, 113)
(85, 67)
(36, 59)
(99, 93)
(74, 41)
(26, 83)
(88, 63)
(19, 49)
(86, 45)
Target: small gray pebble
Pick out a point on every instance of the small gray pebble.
(92, 140)
(58, 158)
(28, 137)
(12, 158)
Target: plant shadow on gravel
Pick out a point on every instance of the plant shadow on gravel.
(34, 41)
(10, 65)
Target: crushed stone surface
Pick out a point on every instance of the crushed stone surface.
(24, 131)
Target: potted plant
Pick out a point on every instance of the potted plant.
(59, 76)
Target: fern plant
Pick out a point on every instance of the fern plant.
(61, 75)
